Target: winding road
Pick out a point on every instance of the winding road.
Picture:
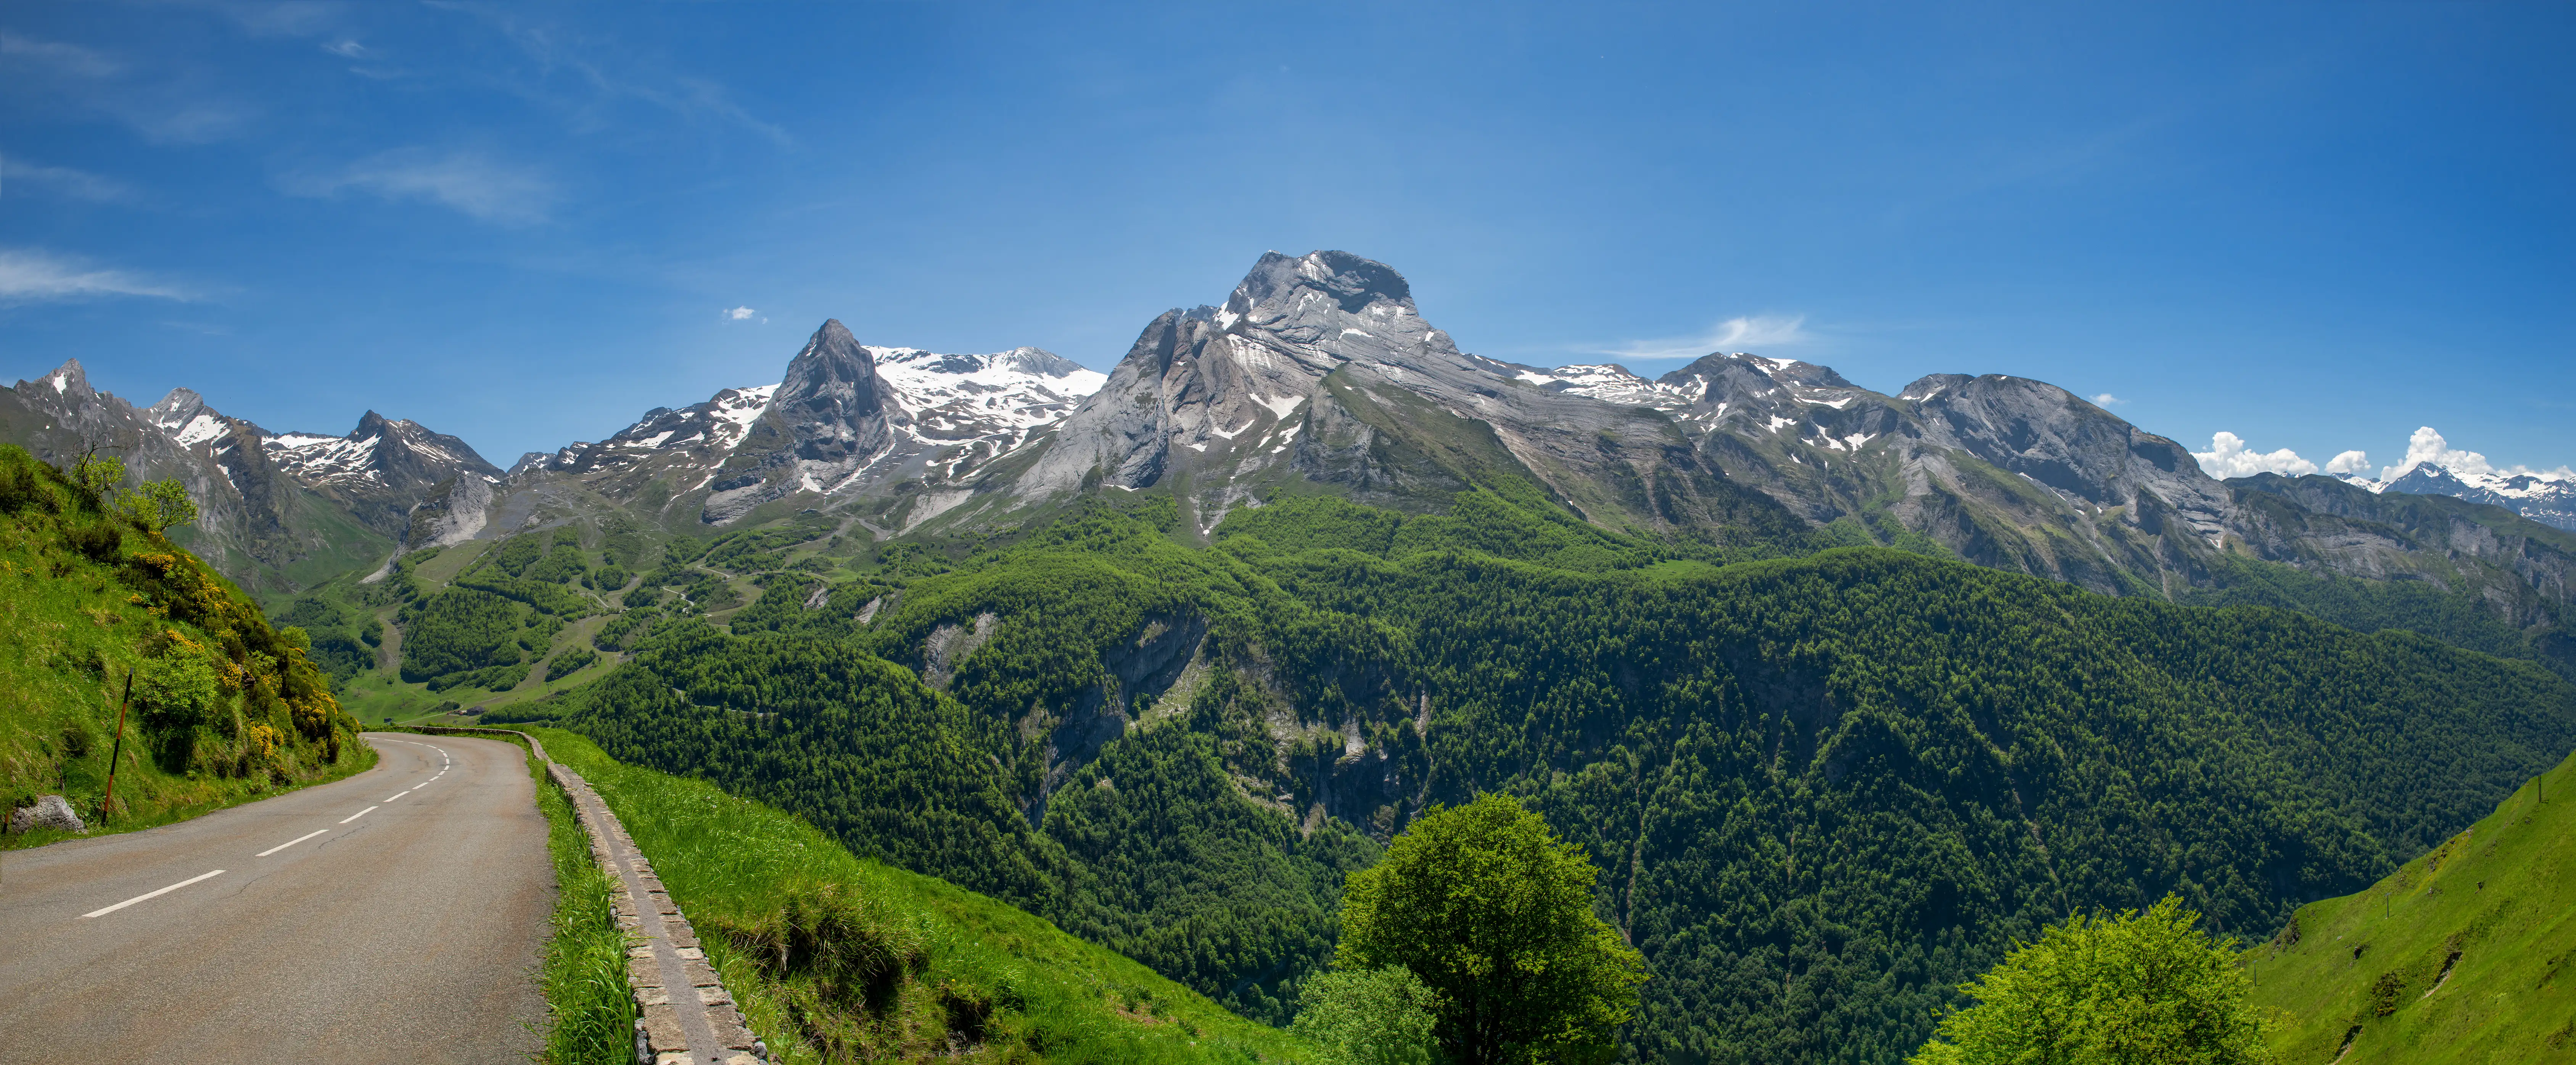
(396, 916)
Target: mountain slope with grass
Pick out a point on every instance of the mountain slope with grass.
(226, 707)
(834, 957)
(1823, 789)
(2460, 956)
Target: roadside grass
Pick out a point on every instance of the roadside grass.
(584, 975)
(591, 1013)
(911, 966)
(2462, 955)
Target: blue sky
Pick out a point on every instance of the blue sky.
(2315, 226)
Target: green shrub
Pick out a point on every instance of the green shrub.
(175, 691)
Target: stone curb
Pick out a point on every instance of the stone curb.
(689, 1019)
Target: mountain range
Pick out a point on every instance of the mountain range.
(1319, 375)
(2545, 497)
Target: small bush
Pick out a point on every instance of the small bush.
(101, 540)
(855, 952)
(176, 691)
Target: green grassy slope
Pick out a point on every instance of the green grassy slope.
(2494, 907)
(973, 971)
(227, 707)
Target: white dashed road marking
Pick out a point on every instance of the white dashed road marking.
(290, 843)
(102, 911)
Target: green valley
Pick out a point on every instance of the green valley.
(1824, 789)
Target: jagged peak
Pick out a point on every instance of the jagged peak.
(831, 357)
(66, 379)
(1784, 371)
(1350, 281)
(1930, 385)
(179, 399)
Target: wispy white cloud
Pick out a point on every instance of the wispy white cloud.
(740, 314)
(63, 181)
(163, 102)
(2230, 456)
(2107, 400)
(1734, 334)
(345, 48)
(29, 275)
(279, 18)
(466, 181)
(626, 76)
(67, 58)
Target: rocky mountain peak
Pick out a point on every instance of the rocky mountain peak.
(68, 380)
(831, 386)
(1351, 282)
(185, 416)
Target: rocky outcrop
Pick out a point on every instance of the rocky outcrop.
(48, 811)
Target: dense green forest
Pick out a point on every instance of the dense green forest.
(1823, 788)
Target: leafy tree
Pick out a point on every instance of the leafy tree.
(1369, 1016)
(159, 505)
(2132, 989)
(1493, 912)
(96, 474)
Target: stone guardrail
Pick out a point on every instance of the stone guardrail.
(688, 1017)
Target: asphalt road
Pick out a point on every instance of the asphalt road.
(345, 924)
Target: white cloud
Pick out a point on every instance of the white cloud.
(740, 313)
(1733, 334)
(466, 181)
(2106, 399)
(70, 58)
(2230, 456)
(615, 72)
(2349, 462)
(29, 275)
(77, 184)
(166, 102)
(347, 49)
(2427, 446)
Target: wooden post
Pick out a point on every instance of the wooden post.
(109, 803)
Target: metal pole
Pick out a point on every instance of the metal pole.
(109, 803)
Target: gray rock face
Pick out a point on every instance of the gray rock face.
(847, 420)
(826, 424)
(50, 811)
(382, 470)
(1320, 367)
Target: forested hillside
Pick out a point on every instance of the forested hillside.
(225, 707)
(1824, 788)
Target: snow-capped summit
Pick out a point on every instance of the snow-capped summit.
(2433, 467)
(846, 417)
(997, 399)
(395, 453)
